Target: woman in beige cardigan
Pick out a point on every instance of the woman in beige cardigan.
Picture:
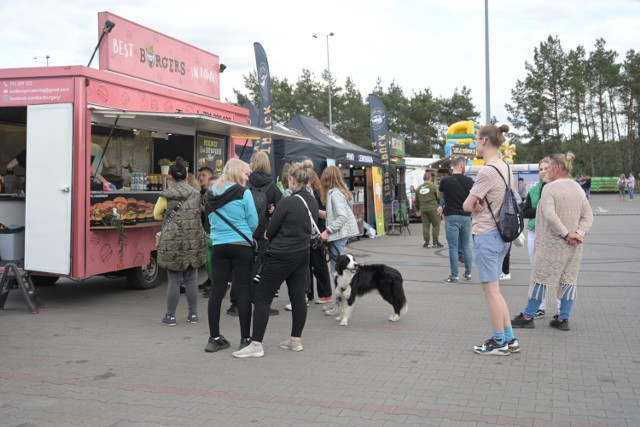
(563, 217)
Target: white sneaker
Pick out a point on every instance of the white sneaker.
(252, 350)
(291, 344)
(505, 276)
(333, 311)
(289, 307)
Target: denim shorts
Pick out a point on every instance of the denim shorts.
(489, 250)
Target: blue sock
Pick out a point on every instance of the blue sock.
(498, 337)
(508, 333)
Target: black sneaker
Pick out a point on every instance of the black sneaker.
(540, 313)
(491, 348)
(562, 325)
(514, 345)
(169, 320)
(216, 344)
(233, 311)
(272, 312)
(520, 322)
(451, 279)
(244, 342)
(438, 245)
(204, 284)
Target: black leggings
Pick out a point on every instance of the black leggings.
(292, 267)
(318, 267)
(228, 260)
(262, 249)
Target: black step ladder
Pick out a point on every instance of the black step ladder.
(13, 275)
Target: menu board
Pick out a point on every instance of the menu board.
(211, 151)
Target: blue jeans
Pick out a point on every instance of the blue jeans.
(458, 231)
(631, 193)
(336, 248)
(539, 292)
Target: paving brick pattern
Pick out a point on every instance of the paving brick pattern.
(99, 356)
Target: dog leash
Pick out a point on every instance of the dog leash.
(328, 255)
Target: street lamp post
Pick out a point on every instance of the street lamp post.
(46, 57)
(329, 75)
(486, 62)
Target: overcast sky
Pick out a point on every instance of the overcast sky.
(419, 44)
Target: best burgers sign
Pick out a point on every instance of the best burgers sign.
(139, 52)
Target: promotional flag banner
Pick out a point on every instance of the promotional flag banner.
(378, 211)
(265, 119)
(380, 140)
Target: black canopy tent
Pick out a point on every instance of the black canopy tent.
(288, 149)
(316, 149)
(345, 153)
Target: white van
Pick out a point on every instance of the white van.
(413, 177)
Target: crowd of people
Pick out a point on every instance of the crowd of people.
(558, 219)
(253, 238)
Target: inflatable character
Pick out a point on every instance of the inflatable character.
(508, 152)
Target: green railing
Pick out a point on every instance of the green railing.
(604, 184)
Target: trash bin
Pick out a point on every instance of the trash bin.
(12, 244)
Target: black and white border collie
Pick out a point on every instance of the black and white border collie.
(355, 279)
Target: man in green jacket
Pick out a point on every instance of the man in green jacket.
(427, 201)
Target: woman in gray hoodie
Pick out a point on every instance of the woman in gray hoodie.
(341, 222)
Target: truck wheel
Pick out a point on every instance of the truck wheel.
(44, 280)
(147, 276)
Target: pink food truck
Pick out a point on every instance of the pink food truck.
(90, 144)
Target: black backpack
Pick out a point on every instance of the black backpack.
(260, 199)
(510, 221)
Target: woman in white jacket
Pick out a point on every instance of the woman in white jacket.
(341, 223)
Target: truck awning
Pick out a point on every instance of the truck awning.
(184, 123)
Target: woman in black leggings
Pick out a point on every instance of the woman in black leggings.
(287, 260)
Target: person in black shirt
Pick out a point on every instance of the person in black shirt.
(287, 259)
(205, 176)
(19, 160)
(455, 189)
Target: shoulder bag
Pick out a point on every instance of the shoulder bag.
(315, 237)
(170, 218)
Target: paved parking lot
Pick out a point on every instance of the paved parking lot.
(99, 356)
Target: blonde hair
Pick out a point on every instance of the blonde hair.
(494, 133)
(259, 162)
(564, 161)
(314, 182)
(193, 181)
(301, 172)
(285, 174)
(231, 174)
(332, 178)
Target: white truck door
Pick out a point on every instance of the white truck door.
(48, 176)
